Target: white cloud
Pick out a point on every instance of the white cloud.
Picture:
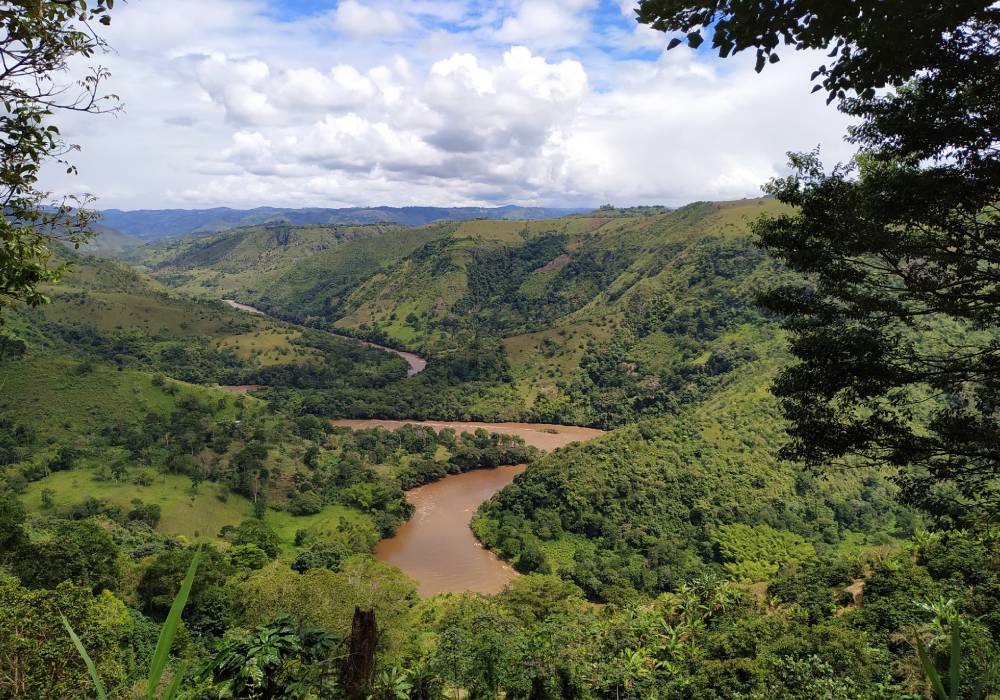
(547, 24)
(356, 19)
(428, 102)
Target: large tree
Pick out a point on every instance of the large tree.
(39, 40)
(894, 319)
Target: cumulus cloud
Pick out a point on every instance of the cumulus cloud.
(444, 102)
(548, 23)
(362, 20)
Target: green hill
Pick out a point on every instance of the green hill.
(667, 295)
(634, 318)
(653, 503)
(105, 310)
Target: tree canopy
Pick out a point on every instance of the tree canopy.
(894, 320)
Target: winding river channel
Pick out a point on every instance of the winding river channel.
(416, 363)
(436, 547)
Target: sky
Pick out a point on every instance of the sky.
(331, 103)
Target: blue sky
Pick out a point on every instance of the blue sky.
(437, 102)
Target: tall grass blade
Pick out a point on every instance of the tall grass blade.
(175, 683)
(955, 662)
(91, 668)
(931, 672)
(169, 631)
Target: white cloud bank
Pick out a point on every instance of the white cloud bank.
(437, 102)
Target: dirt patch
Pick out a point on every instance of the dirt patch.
(556, 263)
(240, 388)
(857, 591)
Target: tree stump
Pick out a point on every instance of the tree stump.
(360, 665)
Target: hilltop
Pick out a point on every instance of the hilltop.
(154, 224)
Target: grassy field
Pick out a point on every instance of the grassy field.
(66, 399)
(197, 515)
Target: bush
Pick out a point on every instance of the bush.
(306, 503)
(256, 532)
(248, 556)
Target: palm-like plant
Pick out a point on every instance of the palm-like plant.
(393, 684)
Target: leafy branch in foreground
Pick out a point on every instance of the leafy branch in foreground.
(161, 654)
(38, 42)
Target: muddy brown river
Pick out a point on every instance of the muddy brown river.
(435, 547)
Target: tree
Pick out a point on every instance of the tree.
(38, 659)
(12, 516)
(254, 531)
(274, 659)
(894, 320)
(210, 606)
(38, 42)
(81, 552)
(872, 43)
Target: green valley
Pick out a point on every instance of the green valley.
(265, 437)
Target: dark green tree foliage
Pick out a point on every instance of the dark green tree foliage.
(875, 43)
(256, 532)
(276, 660)
(38, 658)
(12, 517)
(16, 440)
(210, 606)
(81, 552)
(895, 325)
(326, 549)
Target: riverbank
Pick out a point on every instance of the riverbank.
(436, 546)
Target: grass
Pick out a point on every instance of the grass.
(197, 516)
(269, 346)
(63, 398)
(285, 524)
(535, 367)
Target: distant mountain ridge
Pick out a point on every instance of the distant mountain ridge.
(155, 224)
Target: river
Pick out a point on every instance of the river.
(435, 547)
(542, 435)
(415, 363)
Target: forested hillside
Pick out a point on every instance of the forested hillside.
(602, 318)
(115, 443)
(736, 450)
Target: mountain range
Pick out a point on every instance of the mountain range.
(155, 224)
